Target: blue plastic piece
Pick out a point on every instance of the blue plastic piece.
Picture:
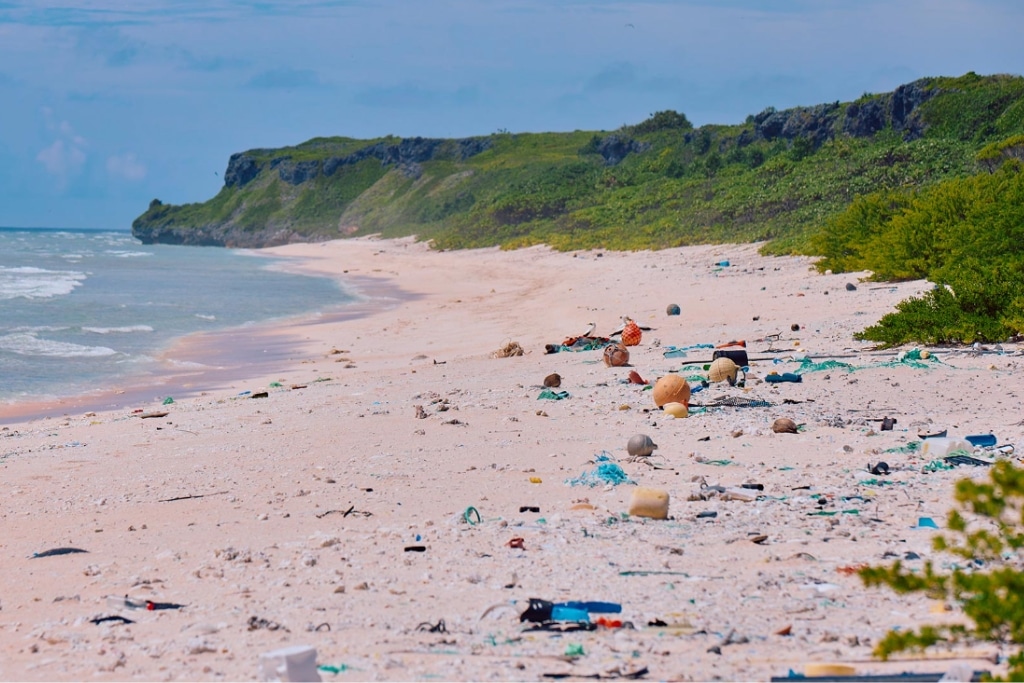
(926, 523)
(982, 440)
(565, 613)
(784, 377)
(593, 606)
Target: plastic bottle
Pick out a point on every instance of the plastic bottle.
(124, 602)
(982, 440)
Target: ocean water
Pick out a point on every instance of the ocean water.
(82, 309)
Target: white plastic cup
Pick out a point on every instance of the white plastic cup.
(295, 663)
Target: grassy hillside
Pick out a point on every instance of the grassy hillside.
(780, 176)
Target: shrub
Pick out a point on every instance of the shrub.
(987, 528)
(663, 120)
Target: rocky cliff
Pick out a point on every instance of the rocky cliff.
(661, 178)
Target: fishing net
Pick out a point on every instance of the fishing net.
(734, 402)
(606, 472)
(910, 447)
(908, 359)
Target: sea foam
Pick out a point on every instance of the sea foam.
(29, 282)
(115, 330)
(27, 344)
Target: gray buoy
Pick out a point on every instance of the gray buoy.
(850, 287)
(640, 445)
(673, 309)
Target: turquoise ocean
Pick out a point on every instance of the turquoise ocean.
(82, 310)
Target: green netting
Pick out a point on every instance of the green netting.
(911, 447)
(807, 365)
(908, 359)
(579, 346)
(553, 395)
(916, 364)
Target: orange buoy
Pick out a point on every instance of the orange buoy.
(631, 333)
(671, 389)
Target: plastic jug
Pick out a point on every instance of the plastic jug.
(941, 447)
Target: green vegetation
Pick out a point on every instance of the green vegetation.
(924, 182)
(966, 235)
(777, 177)
(988, 529)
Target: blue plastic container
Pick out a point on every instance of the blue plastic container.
(784, 377)
(563, 613)
(981, 440)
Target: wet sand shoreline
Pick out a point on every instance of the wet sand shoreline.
(207, 361)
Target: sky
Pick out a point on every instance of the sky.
(107, 104)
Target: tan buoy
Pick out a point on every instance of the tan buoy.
(652, 503)
(554, 380)
(676, 409)
(784, 426)
(723, 370)
(616, 355)
(671, 389)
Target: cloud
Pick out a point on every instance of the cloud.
(126, 166)
(110, 45)
(152, 12)
(66, 154)
(624, 76)
(411, 95)
(194, 62)
(61, 158)
(284, 78)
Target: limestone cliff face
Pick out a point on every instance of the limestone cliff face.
(215, 235)
(824, 122)
(328, 188)
(243, 167)
(161, 224)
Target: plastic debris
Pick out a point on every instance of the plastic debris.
(606, 472)
(58, 551)
(981, 440)
(553, 395)
(784, 377)
(296, 663)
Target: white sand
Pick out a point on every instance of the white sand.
(264, 534)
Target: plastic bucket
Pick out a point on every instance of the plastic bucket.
(737, 356)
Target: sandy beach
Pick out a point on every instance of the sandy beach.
(368, 504)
